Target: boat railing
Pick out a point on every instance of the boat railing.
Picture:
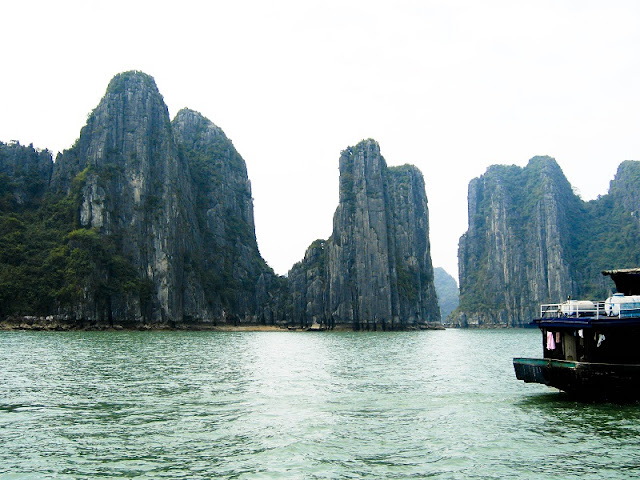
(548, 310)
(554, 310)
(632, 310)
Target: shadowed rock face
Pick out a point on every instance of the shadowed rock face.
(136, 191)
(531, 240)
(235, 276)
(177, 202)
(375, 271)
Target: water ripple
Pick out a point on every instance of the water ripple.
(291, 405)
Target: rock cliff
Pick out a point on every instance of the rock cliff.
(239, 287)
(134, 189)
(531, 240)
(374, 272)
(147, 221)
(174, 201)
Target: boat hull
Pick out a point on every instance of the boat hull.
(585, 379)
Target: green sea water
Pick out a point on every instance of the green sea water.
(271, 405)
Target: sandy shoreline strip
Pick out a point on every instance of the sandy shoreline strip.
(40, 324)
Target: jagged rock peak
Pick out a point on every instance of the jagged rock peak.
(133, 105)
(131, 112)
(543, 161)
(368, 145)
(192, 130)
(131, 80)
(362, 162)
(192, 124)
(365, 152)
(375, 271)
(538, 164)
(219, 170)
(134, 102)
(547, 166)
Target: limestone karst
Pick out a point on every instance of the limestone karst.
(375, 271)
(532, 240)
(150, 222)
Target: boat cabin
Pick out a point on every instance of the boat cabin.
(587, 331)
(590, 348)
(600, 340)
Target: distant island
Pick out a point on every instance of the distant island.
(447, 290)
(147, 222)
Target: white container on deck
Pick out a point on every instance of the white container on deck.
(622, 305)
(575, 308)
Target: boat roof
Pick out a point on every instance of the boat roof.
(587, 322)
(627, 280)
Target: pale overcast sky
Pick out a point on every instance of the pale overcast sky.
(449, 86)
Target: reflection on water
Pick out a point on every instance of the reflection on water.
(438, 404)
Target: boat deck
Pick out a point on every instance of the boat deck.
(586, 322)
